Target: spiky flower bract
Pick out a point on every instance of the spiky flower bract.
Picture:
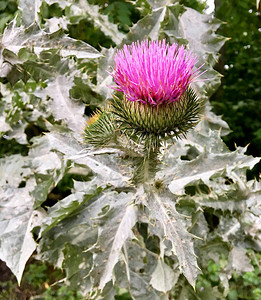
(100, 129)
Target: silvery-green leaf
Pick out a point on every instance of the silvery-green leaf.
(155, 4)
(48, 167)
(228, 191)
(17, 217)
(77, 264)
(4, 125)
(207, 293)
(123, 232)
(13, 169)
(85, 10)
(107, 293)
(98, 227)
(252, 225)
(230, 229)
(213, 122)
(199, 226)
(30, 10)
(43, 160)
(15, 38)
(62, 106)
(69, 204)
(138, 268)
(162, 210)
(63, 142)
(206, 165)
(17, 220)
(85, 91)
(148, 27)
(163, 278)
(120, 216)
(195, 27)
(54, 24)
(108, 167)
(213, 249)
(238, 261)
(62, 3)
(104, 80)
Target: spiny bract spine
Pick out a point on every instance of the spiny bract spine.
(167, 119)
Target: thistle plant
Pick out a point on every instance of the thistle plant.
(153, 99)
(78, 207)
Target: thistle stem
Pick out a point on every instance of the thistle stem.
(146, 167)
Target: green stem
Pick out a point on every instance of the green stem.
(146, 166)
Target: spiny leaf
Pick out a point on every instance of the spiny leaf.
(99, 20)
(193, 26)
(108, 167)
(68, 205)
(62, 106)
(238, 261)
(155, 4)
(104, 221)
(123, 233)
(163, 278)
(205, 166)
(162, 210)
(148, 27)
(213, 122)
(17, 217)
(85, 91)
(137, 272)
(104, 79)
(188, 26)
(227, 191)
(120, 218)
(30, 10)
(15, 38)
(48, 167)
(9, 167)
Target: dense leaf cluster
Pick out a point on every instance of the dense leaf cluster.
(75, 204)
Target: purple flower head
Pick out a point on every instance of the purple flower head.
(153, 72)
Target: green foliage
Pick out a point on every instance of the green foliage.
(76, 206)
(243, 285)
(239, 96)
(62, 293)
(36, 284)
(198, 5)
(8, 8)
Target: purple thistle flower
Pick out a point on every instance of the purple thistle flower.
(154, 72)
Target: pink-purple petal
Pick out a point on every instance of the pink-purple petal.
(154, 72)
